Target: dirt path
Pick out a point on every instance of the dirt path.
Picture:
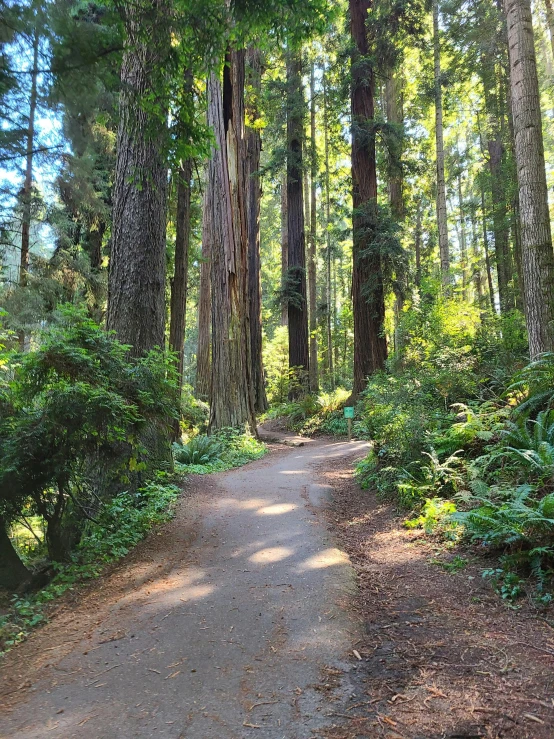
(231, 622)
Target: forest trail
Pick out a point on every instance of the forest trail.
(231, 622)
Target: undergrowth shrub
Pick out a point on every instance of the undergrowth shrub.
(122, 523)
(80, 421)
(200, 450)
(223, 450)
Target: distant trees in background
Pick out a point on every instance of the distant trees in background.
(273, 192)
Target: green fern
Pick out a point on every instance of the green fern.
(200, 450)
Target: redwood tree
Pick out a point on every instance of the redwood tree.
(203, 355)
(253, 148)
(296, 271)
(179, 283)
(232, 399)
(136, 288)
(442, 222)
(370, 347)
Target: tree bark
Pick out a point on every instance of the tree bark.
(253, 204)
(28, 182)
(179, 283)
(395, 116)
(232, 401)
(203, 354)
(13, 572)
(328, 254)
(296, 273)
(370, 347)
(487, 254)
(463, 236)
(312, 251)
(536, 237)
(504, 265)
(284, 248)
(442, 217)
(550, 22)
(136, 285)
(417, 242)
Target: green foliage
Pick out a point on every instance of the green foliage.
(507, 584)
(224, 450)
(319, 414)
(401, 413)
(74, 425)
(534, 384)
(456, 564)
(429, 480)
(200, 450)
(123, 522)
(194, 413)
(436, 516)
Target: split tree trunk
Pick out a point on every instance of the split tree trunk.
(370, 347)
(536, 237)
(136, 287)
(232, 402)
(296, 273)
(442, 217)
(253, 204)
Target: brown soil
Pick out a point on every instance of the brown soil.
(442, 655)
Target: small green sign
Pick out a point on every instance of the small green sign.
(349, 412)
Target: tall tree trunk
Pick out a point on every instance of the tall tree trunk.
(504, 265)
(253, 204)
(232, 401)
(477, 259)
(312, 255)
(28, 182)
(284, 248)
(487, 253)
(442, 218)
(179, 283)
(395, 116)
(13, 572)
(536, 237)
(94, 241)
(463, 236)
(296, 274)
(370, 347)
(417, 242)
(550, 22)
(136, 286)
(328, 254)
(203, 354)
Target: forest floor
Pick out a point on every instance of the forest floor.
(241, 618)
(441, 654)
